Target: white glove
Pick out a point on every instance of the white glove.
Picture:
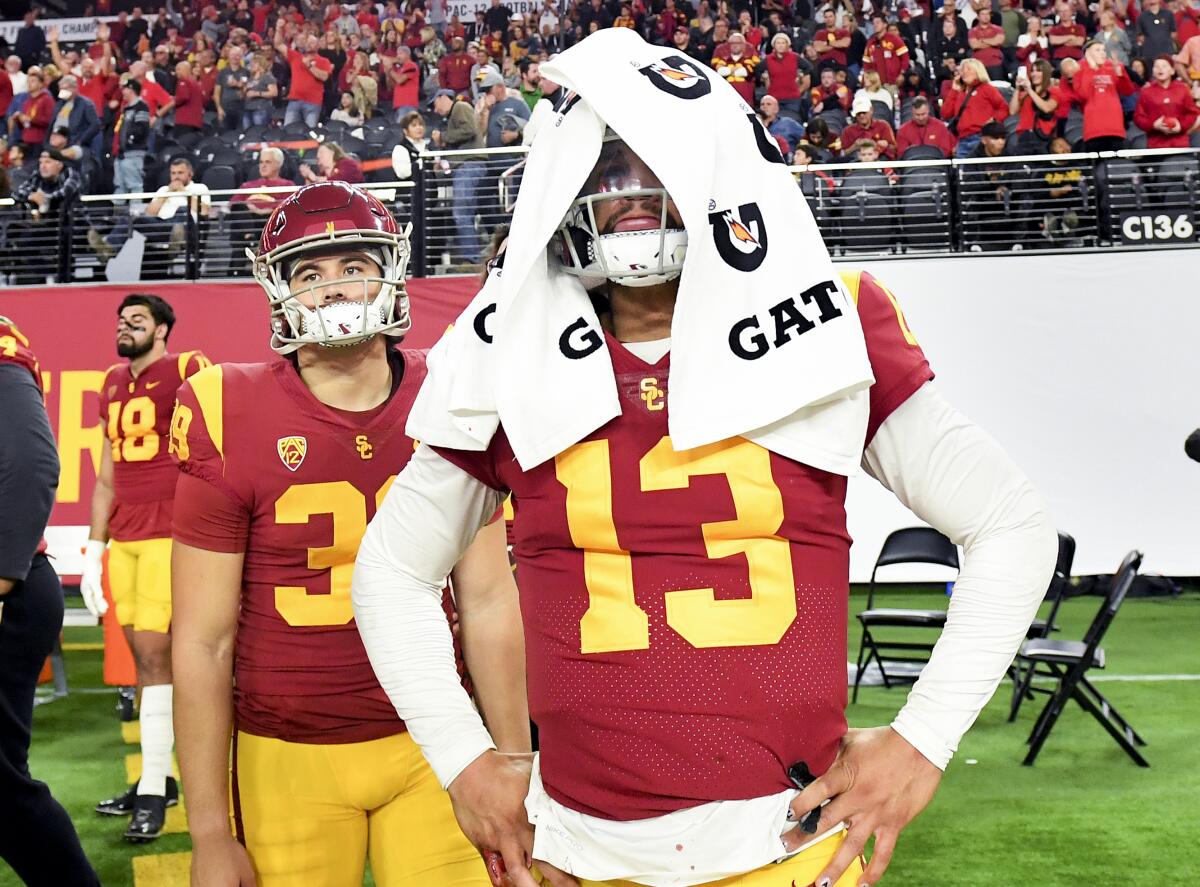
(91, 582)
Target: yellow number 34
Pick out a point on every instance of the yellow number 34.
(613, 620)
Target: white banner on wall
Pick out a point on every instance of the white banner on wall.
(70, 30)
(1085, 368)
(466, 9)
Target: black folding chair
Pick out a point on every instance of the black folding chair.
(913, 545)
(1022, 675)
(1069, 662)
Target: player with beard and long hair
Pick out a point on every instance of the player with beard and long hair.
(131, 516)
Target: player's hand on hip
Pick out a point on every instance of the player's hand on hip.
(877, 786)
(489, 803)
(91, 580)
(220, 861)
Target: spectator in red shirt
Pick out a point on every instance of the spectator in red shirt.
(831, 42)
(1100, 84)
(986, 40)
(454, 70)
(455, 29)
(1165, 109)
(886, 53)
(969, 103)
(738, 64)
(309, 73)
(865, 126)
(333, 165)
(205, 71)
(366, 15)
(188, 102)
(783, 77)
(1068, 98)
(250, 207)
(1067, 36)
(153, 95)
(1035, 102)
(260, 12)
(99, 87)
(829, 93)
(6, 90)
(406, 83)
(1187, 20)
(36, 114)
(924, 129)
(1033, 44)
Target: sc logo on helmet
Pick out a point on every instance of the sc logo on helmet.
(740, 236)
(677, 76)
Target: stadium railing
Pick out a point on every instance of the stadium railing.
(1066, 202)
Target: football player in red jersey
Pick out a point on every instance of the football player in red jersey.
(673, 721)
(131, 509)
(282, 464)
(36, 836)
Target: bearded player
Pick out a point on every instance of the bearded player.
(675, 724)
(131, 509)
(282, 464)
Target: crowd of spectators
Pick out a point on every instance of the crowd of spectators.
(839, 80)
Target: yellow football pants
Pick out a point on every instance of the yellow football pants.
(311, 815)
(139, 578)
(799, 871)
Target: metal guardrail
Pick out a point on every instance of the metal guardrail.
(456, 199)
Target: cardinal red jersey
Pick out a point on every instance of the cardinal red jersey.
(14, 348)
(136, 415)
(685, 612)
(296, 483)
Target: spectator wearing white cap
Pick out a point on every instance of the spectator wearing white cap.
(865, 126)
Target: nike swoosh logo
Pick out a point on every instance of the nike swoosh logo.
(150, 385)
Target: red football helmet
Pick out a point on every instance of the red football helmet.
(323, 218)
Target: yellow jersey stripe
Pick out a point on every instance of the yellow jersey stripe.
(851, 280)
(187, 357)
(207, 385)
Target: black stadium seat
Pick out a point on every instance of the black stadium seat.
(867, 210)
(924, 206)
(220, 178)
(923, 152)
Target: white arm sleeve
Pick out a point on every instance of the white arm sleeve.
(956, 478)
(429, 517)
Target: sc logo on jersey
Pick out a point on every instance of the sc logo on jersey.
(740, 236)
(678, 76)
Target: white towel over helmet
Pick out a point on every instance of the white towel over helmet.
(765, 343)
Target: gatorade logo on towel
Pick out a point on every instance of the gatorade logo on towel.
(679, 77)
(740, 236)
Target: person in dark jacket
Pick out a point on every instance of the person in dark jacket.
(31, 243)
(36, 835)
(31, 41)
(77, 115)
(129, 140)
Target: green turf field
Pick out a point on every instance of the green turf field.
(1084, 815)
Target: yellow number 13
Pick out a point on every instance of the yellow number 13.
(613, 620)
